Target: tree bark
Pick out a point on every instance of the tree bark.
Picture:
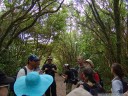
(118, 30)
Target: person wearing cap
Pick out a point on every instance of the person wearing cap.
(90, 64)
(33, 84)
(5, 82)
(33, 63)
(51, 69)
(67, 76)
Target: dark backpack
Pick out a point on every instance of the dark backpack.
(125, 84)
(74, 76)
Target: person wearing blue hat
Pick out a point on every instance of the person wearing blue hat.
(33, 84)
(32, 64)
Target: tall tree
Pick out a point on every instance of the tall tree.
(105, 18)
(117, 19)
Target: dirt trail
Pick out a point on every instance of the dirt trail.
(61, 88)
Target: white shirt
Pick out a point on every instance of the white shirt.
(22, 72)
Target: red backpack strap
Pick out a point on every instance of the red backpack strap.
(96, 77)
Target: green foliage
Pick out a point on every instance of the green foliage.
(16, 52)
(64, 34)
(100, 35)
(66, 49)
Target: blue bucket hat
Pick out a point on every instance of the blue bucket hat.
(33, 58)
(33, 84)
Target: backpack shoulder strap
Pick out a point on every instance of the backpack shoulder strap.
(86, 87)
(25, 70)
(72, 74)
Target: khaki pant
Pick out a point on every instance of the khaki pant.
(68, 88)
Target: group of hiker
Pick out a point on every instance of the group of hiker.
(90, 80)
(31, 80)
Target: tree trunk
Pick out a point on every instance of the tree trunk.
(118, 30)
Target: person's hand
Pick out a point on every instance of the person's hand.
(126, 93)
(81, 86)
(46, 69)
(79, 83)
(53, 69)
(90, 83)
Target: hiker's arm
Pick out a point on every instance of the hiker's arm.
(44, 68)
(65, 76)
(54, 69)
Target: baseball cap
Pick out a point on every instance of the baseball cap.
(33, 58)
(90, 62)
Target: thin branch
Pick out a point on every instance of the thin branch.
(37, 16)
(13, 23)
